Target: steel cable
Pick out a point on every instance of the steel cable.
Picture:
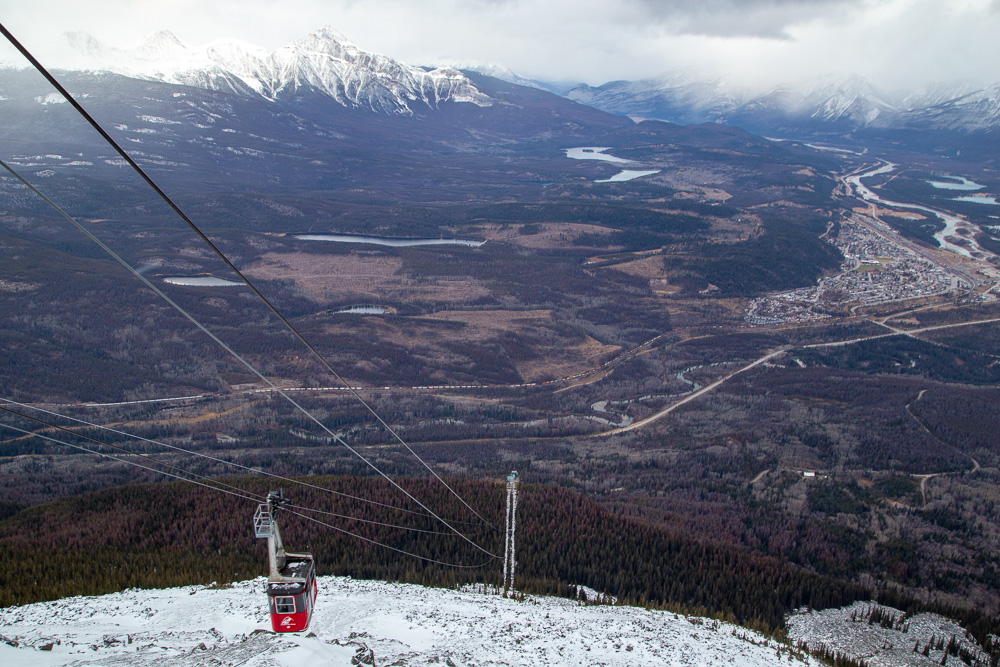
(244, 497)
(234, 354)
(166, 198)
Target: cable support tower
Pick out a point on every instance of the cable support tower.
(180, 309)
(509, 550)
(243, 496)
(166, 198)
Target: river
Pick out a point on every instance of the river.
(951, 222)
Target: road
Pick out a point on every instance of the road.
(690, 397)
(770, 355)
(923, 478)
(910, 332)
(606, 367)
(900, 332)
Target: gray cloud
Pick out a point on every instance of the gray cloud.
(768, 19)
(898, 42)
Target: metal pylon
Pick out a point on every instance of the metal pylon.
(509, 553)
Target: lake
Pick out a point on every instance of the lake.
(628, 175)
(977, 200)
(361, 310)
(964, 184)
(200, 281)
(593, 153)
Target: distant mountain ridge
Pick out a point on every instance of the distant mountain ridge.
(329, 63)
(324, 61)
(844, 104)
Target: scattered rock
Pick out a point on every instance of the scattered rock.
(362, 654)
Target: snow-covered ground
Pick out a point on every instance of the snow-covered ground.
(847, 631)
(397, 623)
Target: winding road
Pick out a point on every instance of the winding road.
(690, 397)
(923, 478)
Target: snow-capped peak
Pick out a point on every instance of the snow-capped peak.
(327, 40)
(85, 45)
(502, 72)
(163, 44)
(323, 61)
(832, 100)
(854, 99)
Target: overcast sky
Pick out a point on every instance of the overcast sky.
(894, 42)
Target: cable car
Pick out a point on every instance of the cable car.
(291, 581)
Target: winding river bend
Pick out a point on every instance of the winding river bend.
(951, 222)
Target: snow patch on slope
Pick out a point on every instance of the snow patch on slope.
(397, 622)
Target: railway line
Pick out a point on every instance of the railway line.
(604, 368)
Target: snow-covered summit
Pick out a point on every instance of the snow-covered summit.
(823, 102)
(323, 61)
(854, 99)
(683, 95)
(973, 110)
(502, 72)
(389, 623)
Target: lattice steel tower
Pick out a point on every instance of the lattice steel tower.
(509, 553)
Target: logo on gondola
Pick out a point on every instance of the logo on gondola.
(286, 621)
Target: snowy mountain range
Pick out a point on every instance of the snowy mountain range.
(323, 61)
(825, 103)
(327, 62)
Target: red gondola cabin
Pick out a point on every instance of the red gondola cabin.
(291, 581)
(291, 600)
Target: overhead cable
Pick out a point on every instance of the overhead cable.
(216, 459)
(126, 461)
(232, 352)
(245, 497)
(120, 449)
(163, 195)
(401, 551)
(211, 480)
